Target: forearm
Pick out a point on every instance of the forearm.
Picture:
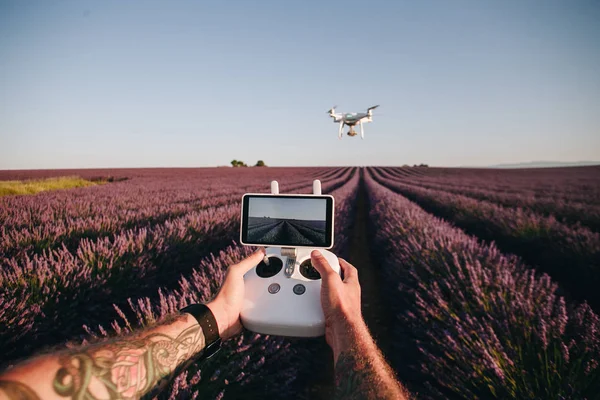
(361, 372)
(125, 368)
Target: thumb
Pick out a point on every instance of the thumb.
(249, 262)
(321, 264)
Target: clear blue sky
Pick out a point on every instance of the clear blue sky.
(311, 209)
(199, 83)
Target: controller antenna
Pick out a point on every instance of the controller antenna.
(317, 187)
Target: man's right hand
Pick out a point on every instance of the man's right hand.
(341, 302)
(360, 369)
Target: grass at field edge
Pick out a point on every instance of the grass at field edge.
(28, 187)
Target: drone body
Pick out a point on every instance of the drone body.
(352, 119)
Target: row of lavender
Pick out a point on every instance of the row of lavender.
(46, 297)
(576, 202)
(572, 184)
(471, 322)
(252, 364)
(570, 254)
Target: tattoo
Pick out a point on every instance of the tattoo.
(17, 391)
(357, 378)
(125, 369)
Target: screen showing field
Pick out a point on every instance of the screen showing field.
(287, 221)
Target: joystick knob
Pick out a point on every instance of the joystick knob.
(308, 271)
(272, 268)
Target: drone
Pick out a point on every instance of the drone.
(351, 119)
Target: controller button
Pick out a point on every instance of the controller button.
(299, 289)
(274, 288)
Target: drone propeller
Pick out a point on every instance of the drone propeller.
(370, 110)
(331, 109)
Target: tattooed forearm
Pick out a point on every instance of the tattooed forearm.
(122, 369)
(125, 369)
(357, 377)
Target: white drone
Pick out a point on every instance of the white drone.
(351, 119)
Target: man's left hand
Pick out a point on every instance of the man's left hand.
(226, 306)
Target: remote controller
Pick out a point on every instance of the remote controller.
(283, 294)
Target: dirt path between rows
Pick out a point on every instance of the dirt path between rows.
(374, 307)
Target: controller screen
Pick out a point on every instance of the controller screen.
(288, 221)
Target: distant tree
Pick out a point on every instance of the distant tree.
(237, 163)
(424, 165)
(260, 163)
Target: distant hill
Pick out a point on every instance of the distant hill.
(546, 164)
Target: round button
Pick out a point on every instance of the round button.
(274, 288)
(299, 289)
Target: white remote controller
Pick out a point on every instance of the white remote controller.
(283, 297)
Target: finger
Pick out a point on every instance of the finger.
(328, 275)
(349, 270)
(249, 262)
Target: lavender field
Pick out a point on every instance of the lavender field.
(489, 277)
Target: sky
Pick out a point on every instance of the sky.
(281, 207)
(89, 84)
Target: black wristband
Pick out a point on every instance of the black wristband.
(209, 326)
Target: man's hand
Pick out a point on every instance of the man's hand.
(340, 300)
(227, 305)
(361, 372)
